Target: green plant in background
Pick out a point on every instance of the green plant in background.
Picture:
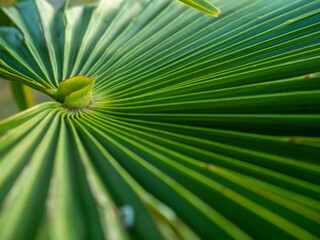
(169, 123)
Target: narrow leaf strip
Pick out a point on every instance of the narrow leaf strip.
(203, 6)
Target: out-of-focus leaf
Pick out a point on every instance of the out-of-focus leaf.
(22, 95)
(7, 3)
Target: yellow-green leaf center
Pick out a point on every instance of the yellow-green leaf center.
(76, 92)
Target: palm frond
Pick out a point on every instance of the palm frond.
(199, 127)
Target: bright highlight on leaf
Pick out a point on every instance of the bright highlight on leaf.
(203, 6)
(76, 92)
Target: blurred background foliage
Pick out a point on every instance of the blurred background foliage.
(8, 106)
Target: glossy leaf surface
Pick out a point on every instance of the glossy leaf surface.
(202, 127)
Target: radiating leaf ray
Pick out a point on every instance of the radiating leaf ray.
(33, 37)
(32, 192)
(207, 214)
(210, 184)
(108, 215)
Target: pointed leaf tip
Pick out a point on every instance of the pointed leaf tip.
(76, 92)
(203, 6)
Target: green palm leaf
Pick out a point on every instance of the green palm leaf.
(198, 127)
(202, 5)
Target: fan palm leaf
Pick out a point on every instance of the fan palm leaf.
(198, 127)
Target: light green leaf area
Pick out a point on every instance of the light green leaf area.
(76, 92)
(199, 127)
(203, 6)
